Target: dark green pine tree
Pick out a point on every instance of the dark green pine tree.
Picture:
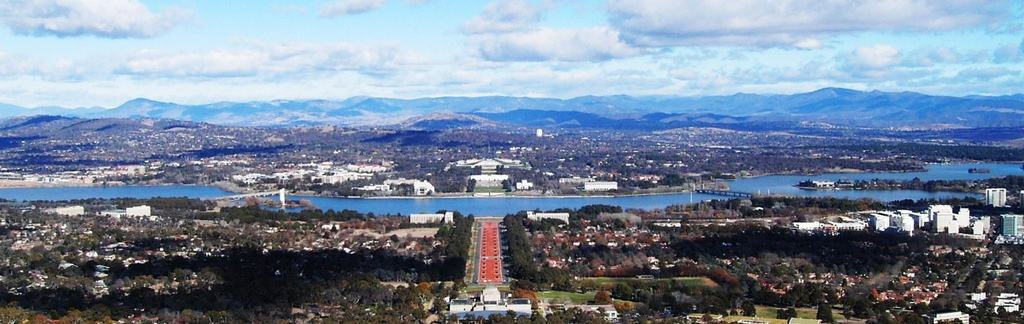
(825, 313)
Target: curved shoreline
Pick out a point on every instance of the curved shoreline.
(230, 187)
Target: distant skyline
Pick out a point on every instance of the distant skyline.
(75, 53)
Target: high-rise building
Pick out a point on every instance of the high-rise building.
(945, 223)
(943, 219)
(995, 197)
(880, 222)
(1011, 224)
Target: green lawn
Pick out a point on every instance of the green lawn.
(773, 320)
(576, 298)
(805, 312)
(489, 189)
(689, 281)
(476, 289)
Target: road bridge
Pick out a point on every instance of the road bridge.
(280, 193)
(726, 193)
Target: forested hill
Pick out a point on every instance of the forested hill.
(828, 105)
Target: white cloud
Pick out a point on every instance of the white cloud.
(985, 73)
(506, 31)
(789, 23)
(877, 57)
(102, 18)
(551, 44)
(1009, 53)
(808, 44)
(503, 16)
(350, 7)
(273, 61)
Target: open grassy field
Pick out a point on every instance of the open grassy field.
(689, 281)
(479, 189)
(476, 289)
(576, 298)
(734, 319)
(804, 312)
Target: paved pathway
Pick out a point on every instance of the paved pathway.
(488, 263)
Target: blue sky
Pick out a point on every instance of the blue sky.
(104, 52)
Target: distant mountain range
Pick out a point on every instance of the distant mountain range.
(829, 105)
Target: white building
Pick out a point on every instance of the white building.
(366, 168)
(807, 226)
(490, 302)
(1008, 302)
(490, 166)
(610, 314)
(489, 180)
(948, 318)
(540, 132)
(342, 176)
(68, 211)
(600, 186)
(824, 184)
(848, 225)
(963, 218)
(880, 221)
(564, 217)
(904, 223)
(995, 197)
(422, 188)
(981, 225)
(943, 219)
(523, 185)
(945, 223)
(431, 218)
(419, 187)
(575, 180)
(251, 178)
(139, 211)
(142, 211)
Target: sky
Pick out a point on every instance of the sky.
(84, 53)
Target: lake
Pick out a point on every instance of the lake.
(504, 205)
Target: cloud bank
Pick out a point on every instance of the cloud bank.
(100, 18)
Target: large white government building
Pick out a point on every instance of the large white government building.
(539, 216)
(431, 218)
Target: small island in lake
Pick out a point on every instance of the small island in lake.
(979, 170)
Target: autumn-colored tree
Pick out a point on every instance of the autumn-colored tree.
(602, 297)
(623, 306)
(524, 293)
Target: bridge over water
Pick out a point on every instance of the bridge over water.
(726, 193)
(280, 193)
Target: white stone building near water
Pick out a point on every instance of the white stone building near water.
(431, 218)
(68, 211)
(600, 186)
(143, 211)
(564, 217)
(523, 185)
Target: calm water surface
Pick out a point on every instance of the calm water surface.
(502, 206)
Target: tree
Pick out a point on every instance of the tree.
(748, 308)
(825, 313)
(602, 297)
